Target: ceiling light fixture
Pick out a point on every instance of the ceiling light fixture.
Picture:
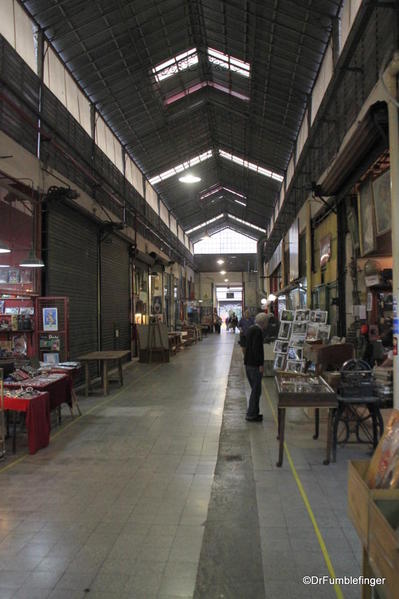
(226, 280)
(189, 178)
(4, 249)
(220, 261)
(222, 272)
(32, 261)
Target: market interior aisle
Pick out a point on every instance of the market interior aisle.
(116, 503)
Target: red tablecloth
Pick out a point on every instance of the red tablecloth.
(58, 386)
(37, 418)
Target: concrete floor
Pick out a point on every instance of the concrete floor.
(126, 501)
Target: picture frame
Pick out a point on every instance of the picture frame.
(382, 203)
(287, 316)
(299, 328)
(26, 275)
(51, 358)
(50, 319)
(312, 332)
(279, 362)
(297, 340)
(353, 225)
(297, 366)
(366, 219)
(14, 276)
(325, 249)
(285, 330)
(302, 315)
(319, 316)
(3, 275)
(280, 347)
(324, 331)
(2, 303)
(295, 353)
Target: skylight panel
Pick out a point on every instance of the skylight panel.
(204, 224)
(172, 66)
(251, 165)
(240, 195)
(225, 61)
(246, 223)
(181, 167)
(240, 202)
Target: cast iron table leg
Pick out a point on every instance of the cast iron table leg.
(316, 423)
(281, 443)
(329, 435)
(105, 377)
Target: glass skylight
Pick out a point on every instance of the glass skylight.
(225, 61)
(197, 86)
(251, 166)
(204, 224)
(246, 223)
(226, 241)
(206, 193)
(181, 167)
(170, 67)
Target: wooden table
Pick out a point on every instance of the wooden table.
(174, 340)
(37, 410)
(304, 392)
(104, 357)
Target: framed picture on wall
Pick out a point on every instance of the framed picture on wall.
(382, 203)
(366, 218)
(50, 319)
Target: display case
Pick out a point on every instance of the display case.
(17, 317)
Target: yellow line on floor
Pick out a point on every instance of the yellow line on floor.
(75, 420)
(306, 501)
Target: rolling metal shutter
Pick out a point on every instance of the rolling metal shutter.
(71, 263)
(115, 301)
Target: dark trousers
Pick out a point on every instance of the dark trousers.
(255, 380)
(217, 328)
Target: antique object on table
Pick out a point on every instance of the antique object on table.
(295, 391)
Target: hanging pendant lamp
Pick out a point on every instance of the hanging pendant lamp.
(4, 249)
(32, 261)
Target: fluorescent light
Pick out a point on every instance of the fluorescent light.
(251, 166)
(4, 249)
(189, 178)
(4, 266)
(220, 261)
(32, 261)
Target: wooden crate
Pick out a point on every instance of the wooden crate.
(383, 543)
(360, 497)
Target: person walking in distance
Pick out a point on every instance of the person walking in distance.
(253, 360)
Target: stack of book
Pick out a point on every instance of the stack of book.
(383, 378)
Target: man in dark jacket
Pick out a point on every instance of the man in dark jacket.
(253, 360)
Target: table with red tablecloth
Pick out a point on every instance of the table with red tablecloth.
(57, 385)
(37, 409)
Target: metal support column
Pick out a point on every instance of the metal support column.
(308, 255)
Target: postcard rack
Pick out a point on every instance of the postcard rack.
(52, 329)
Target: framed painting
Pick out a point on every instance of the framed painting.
(382, 203)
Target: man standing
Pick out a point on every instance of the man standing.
(245, 323)
(253, 360)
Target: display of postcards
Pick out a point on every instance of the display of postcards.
(19, 345)
(297, 340)
(1, 306)
(27, 310)
(285, 330)
(50, 342)
(279, 362)
(319, 316)
(295, 366)
(299, 328)
(26, 275)
(51, 358)
(287, 316)
(3, 275)
(280, 347)
(312, 331)
(302, 315)
(50, 319)
(11, 310)
(14, 275)
(324, 332)
(295, 353)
